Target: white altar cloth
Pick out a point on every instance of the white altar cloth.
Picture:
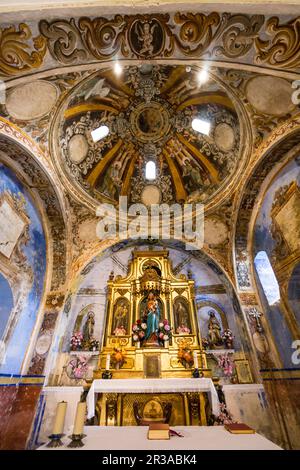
(152, 386)
(194, 437)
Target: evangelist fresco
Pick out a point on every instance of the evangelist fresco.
(23, 260)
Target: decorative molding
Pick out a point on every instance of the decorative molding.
(211, 289)
(162, 35)
(283, 48)
(19, 52)
(269, 41)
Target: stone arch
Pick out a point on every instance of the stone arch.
(200, 255)
(280, 148)
(278, 155)
(25, 159)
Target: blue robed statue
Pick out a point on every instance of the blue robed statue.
(152, 313)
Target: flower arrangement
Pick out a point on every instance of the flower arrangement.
(94, 345)
(120, 331)
(76, 341)
(226, 363)
(227, 338)
(79, 367)
(138, 331)
(185, 355)
(118, 358)
(164, 331)
(224, 416)
(183, 330)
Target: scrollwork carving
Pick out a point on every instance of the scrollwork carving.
(16, 53)
(283, 48)
(64, 41)
(238, 34)
(156, 35)
(104, 38)
(196, 32)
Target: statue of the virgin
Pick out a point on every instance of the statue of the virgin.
(152, 313)
(88, 329)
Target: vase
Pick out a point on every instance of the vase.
(138, 344)
(166, 343)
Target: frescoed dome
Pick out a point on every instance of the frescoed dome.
(162, 134)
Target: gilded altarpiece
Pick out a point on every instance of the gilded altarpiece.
(150, 274)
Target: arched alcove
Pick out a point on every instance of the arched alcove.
(23, 259)
(34, 202)
(89, 291)
(275, 245)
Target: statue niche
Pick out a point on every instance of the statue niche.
(85, 327)
(214, 330)
(151, 309)
(181, 314)
(88, 329)
(120, 324)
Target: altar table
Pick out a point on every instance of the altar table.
(152, 386)
(194, 437)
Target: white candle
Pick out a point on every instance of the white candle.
(59, 421)
(107, 366)
(79, 418)
(196, 363)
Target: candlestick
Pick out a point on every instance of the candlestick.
(79, 418)
(107, 366)
(59, 421)
(76, 438)
(58, 427)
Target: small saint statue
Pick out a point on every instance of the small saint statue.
(120, 318)
(214, 330)
(182, 314)
(88, 329)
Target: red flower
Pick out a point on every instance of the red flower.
(138, 322)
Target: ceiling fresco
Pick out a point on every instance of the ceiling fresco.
(149, 111)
